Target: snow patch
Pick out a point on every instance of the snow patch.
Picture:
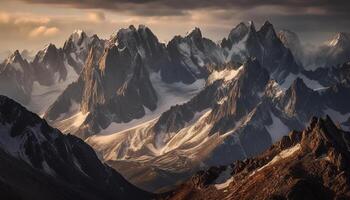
(277, 129)
(282, 155)
(312, 84)
(238, 49)
(224, 179)
(71, 123)
(224, 185)
(226, 75)
(338, 117)
(44, 96)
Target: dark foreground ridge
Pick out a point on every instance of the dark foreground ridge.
(312, 164)
(39, 162)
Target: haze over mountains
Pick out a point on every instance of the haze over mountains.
(157, 113)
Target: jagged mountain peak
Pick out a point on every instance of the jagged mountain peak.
(340, 38)
(267, 31)
(17, 54)
(251, 26)
(194, 33)
(239, 28)
(78, 35)
(49, 50)
(50, 47)
(238, 32)
(141, 41)
(14, 57)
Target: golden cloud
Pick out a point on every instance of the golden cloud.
(4, 18)
(96, 17)
(43, 31)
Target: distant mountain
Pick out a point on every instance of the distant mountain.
(312, 164)
(49, 72)
(16, 77)
(334, 52)
(39, 162)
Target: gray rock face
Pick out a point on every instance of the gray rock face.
(53, 165)
(237, 34)
(191, 58)
(126, 103)
(143, 42)
(245, 42)
(16, 78)
(49, 65)
(292, 42)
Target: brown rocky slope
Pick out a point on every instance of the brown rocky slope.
(312, 164)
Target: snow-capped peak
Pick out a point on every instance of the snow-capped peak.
(77, 36)
(78, 31)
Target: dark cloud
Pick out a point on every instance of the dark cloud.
(177, 7)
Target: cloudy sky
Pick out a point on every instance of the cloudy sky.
(31, 24)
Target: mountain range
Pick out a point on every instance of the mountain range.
(157, 113)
